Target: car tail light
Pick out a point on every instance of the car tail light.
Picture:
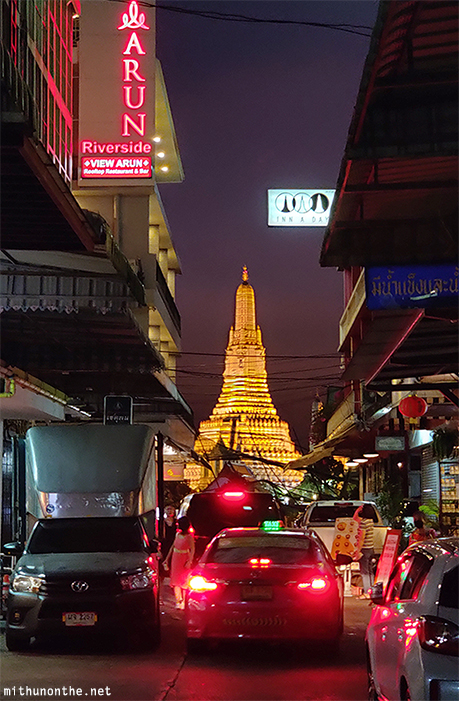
(199, 583)
(234, 495)
(438, 635)
(315, 584)
(259, 562)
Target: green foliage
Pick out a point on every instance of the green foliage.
(431, 513)
(390, 503)
(329, 480)
(444, 440)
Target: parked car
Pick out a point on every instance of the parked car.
(253, 583)
(85, 577)
(229, 506)
(413, 635)
(320, 516)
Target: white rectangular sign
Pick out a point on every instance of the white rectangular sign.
(299, 207)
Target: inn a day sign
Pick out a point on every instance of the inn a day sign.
(116, 93)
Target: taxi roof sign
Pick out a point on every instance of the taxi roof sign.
(272, 525)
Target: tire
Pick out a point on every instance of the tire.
(16, 643)
(196, 646)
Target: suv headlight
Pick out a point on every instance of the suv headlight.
(139, 580)
(26, 583)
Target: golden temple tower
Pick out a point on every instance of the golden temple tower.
(244, 417)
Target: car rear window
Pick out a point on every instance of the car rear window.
(330, 512)
(281, 551)
(87, 536)
(449, 593)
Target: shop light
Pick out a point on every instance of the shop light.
(352, 463)
(371, 455)
(361, 460)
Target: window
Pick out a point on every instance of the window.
(88, 535)
(449, 593)
(280, 550)
(408, 577)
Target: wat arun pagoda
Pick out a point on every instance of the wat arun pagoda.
(244, 418)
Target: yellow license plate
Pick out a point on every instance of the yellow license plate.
(79, 618)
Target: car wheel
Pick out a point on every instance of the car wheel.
(372, 694)
(196, 646)
(15, 643)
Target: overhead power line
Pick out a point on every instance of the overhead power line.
(272, 357)
(358, 29)
(233, 17)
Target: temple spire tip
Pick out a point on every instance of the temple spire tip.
(245, 274)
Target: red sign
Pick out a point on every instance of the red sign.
(129, 152)
(388, 557)
(119, 167)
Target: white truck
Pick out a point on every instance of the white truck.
(90, 565)
(320, 517)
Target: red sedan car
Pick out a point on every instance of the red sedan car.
(253, 583)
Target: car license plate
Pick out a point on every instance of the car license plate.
(256, 593)
(79, 618)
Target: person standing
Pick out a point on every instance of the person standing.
(364, 516)
(169, 533)
(421, 531)
(180, 560)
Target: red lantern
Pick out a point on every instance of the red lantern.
(413, 406)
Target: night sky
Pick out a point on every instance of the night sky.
(258, 106)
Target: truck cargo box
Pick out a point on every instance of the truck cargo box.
(90, 470)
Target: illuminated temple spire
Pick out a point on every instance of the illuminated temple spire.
(244, 417)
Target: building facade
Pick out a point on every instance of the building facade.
(88, 266)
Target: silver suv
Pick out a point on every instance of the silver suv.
(413, 635)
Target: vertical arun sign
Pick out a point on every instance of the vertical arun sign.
(116, 92)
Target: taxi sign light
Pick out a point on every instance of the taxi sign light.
(272, 525)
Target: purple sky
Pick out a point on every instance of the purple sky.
(258, 106)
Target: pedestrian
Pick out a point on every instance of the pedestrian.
(421, 531)
(365, 549)
(180, 560)
(169, 533)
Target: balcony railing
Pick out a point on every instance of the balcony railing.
(167, 298)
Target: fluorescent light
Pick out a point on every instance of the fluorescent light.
(362, 460)
(352, 463)
(371, 455)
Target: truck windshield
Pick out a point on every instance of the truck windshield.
(89, 535)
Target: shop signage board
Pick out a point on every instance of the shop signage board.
(411, 286)
(116, 93)
(117, 409)
(309, 207)
(388, 556)
(395, 444)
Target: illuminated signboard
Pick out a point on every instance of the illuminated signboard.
(299, 207)
(117, 92)
(411, 286)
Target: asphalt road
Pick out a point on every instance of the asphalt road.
(230, 672)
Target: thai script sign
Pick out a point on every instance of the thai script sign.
(403, 287)
(299, 207)
(117, 91)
